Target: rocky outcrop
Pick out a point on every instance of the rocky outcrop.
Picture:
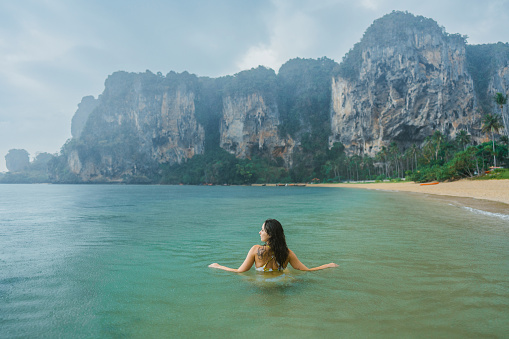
(87, 105)
(249, 125)
(17, 160)
(177, 135)
(136, 126)
(412, 80)
(500, 83)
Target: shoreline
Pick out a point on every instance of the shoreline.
(493, 190)
(486, 195)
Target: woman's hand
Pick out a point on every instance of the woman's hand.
(331, 265)
(214, 265)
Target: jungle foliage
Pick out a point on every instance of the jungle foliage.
(438, 159)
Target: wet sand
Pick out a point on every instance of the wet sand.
(486, 195)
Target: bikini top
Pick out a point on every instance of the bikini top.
(264, 268)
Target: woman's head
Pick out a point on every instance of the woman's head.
(274, 231)
(275, 239)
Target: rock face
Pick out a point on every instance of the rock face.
(500, 83)
(135, 126)
(17, 160)
(87, 105)
(249, 124)
(412, 80)
(177, 135)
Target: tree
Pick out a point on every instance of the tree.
(501, 100)
(437, 138)
(414, 149)
(505, 140)
(245, 171)
(394, 153)
(492, 124)
(463, 164)
(17, 160)
(432, 147)
(463, 139)
(381, 157)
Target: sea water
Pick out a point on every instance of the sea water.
(100, 261)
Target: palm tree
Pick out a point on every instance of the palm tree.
(427, 150)
(394, 153)
(463, 139)
(382, 156)
(492, 124)
(437, 139)
(501, 100)
(414, 149)
(368, 163)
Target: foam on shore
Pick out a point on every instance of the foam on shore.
(504, 217)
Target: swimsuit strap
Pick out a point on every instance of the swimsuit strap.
(271, 258)
(265, 266)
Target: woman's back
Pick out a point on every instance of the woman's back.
(265, 260)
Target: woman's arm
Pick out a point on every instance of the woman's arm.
(295, 262)
(246, 265)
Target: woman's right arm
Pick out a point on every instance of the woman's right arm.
(246, 265)
(298, 265)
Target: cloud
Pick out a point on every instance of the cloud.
(370, 4)
(291, 33)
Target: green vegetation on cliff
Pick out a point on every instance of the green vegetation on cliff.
(304, 97)
(259, 80)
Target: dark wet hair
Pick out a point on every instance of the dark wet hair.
(277, 241)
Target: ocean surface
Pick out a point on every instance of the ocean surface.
(117, 261)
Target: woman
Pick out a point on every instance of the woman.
(274, 255)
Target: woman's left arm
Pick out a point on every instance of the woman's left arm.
(297, 264)
(246, 265)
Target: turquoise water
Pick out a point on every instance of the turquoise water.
(131, 261)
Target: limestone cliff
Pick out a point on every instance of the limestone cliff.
(249, 122)
(249, 125)
(498, 75)
(140, 120)
(405, 79)
(409, 79)
(500, 83)
(87, 105)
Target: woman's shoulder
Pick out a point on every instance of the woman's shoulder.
(257, 248)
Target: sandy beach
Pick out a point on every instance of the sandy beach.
(490, 195)
(494, 190)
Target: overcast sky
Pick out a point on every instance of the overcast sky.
(54, 52)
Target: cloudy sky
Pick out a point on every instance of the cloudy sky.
(54, 52)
